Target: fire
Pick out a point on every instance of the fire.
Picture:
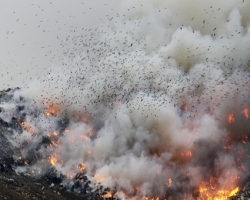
(56, 133)
(51, 109)
(55, 142)
(234, 191)
(244, 139)
(231, 118)
(47, 113)
(107, 195)
(53, 160)
(110, 194)
(170, 181)
(186, 153)
(246, 113)
(81, 167)
(85, 119)
(209, 191)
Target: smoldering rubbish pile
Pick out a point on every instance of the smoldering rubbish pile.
(153, 104)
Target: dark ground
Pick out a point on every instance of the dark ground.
(15, 187)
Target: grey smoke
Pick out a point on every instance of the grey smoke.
(158, 80)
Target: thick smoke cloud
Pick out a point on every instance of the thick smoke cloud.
(153, 103)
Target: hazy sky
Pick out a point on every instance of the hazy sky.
(32, 31)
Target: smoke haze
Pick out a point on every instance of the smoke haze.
(152, 102)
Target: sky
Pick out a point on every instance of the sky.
(32, 31)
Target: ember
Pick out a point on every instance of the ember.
(81, 167)
(246, 113)
(186, 154)
(53, 160)
(51, 109)
(170, 181)
(231, 118)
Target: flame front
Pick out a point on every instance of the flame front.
(210, 191)
(234, 192)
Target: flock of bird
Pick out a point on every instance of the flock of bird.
(142, 65)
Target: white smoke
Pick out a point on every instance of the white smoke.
(144, 90)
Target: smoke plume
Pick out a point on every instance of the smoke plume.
(152, 103)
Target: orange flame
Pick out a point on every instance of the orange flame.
(170, 181)
(55, 142)
(233, 192)
(107, 195)
(53, 160)
(231, 118)
(52, 109)
(85, 119)
(81, 167)
(246, 113)
(56, 133)
(209, 191)
(186, 153)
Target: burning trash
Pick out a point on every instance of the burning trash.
(152, 106)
